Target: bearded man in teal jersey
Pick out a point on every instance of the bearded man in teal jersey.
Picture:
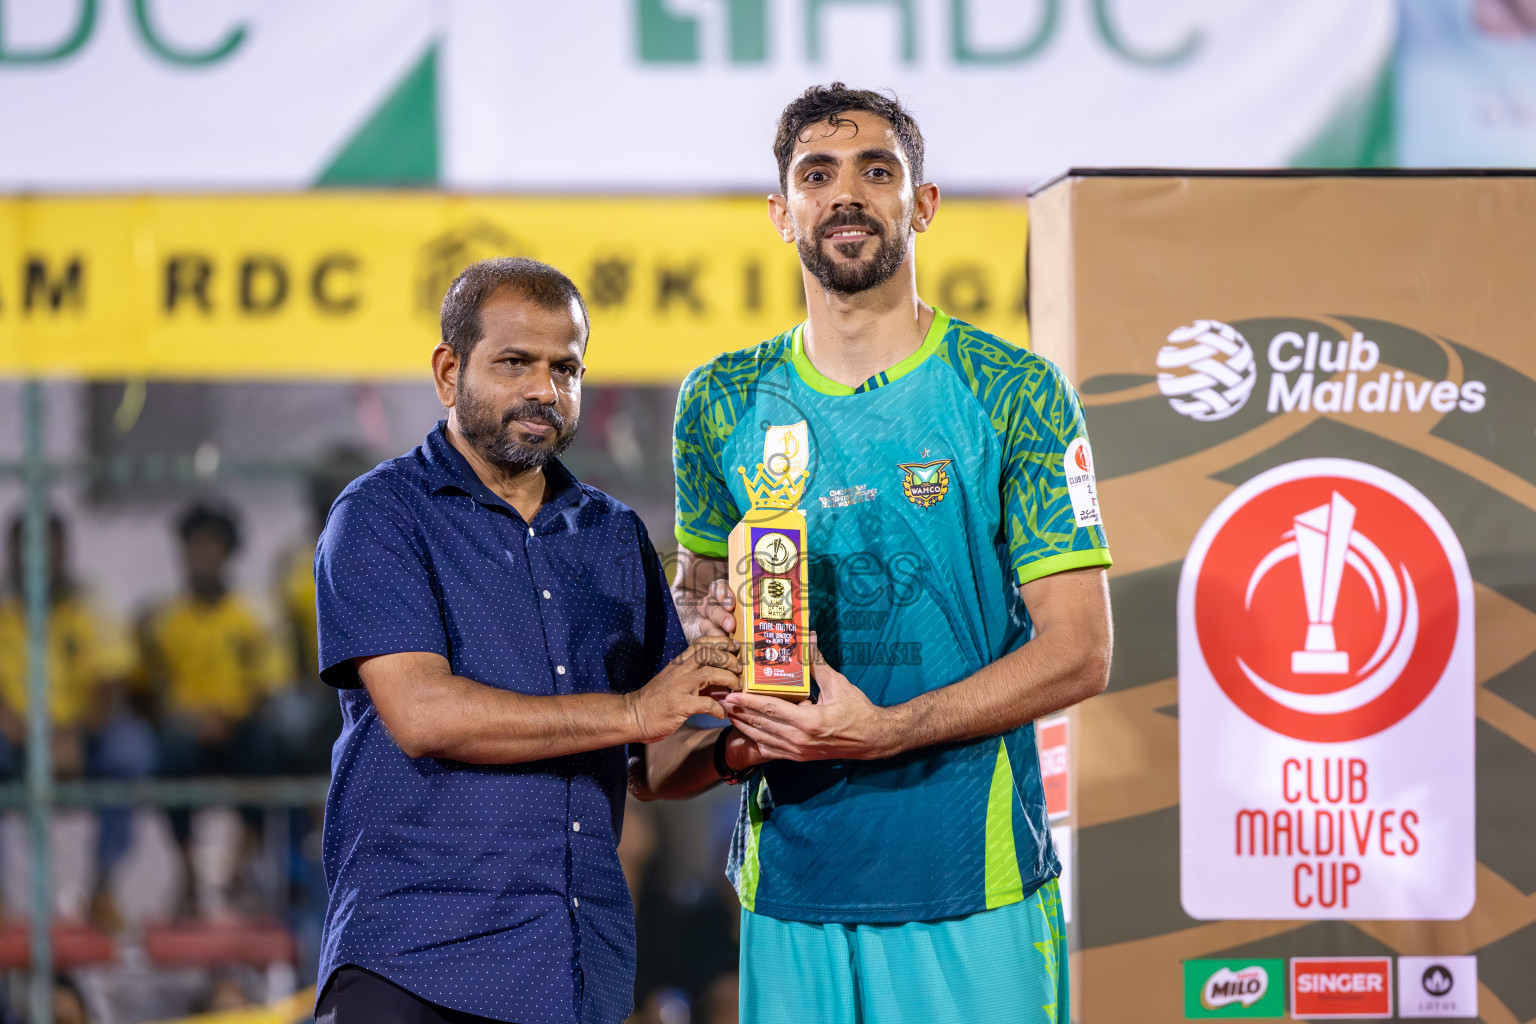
(892, 855)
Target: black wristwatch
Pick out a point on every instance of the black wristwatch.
(732, 778)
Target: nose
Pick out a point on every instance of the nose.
(539, 386)
(849, 196)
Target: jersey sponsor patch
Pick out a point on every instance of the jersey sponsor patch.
(786, 450)
(1078, 466)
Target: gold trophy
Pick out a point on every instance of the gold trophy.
(767, 572)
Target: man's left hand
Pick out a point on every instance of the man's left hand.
(843, 723)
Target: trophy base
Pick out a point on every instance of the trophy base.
(766, 571)
(1319, 662)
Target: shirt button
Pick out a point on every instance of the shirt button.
(546, 595)
(575, 901)
(530, 531)
(575, 826)
(560, 669)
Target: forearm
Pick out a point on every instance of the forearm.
(690, 591)
(1044, 676)
(677, 767)
(458, 719)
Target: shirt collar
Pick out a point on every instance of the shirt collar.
(447, 469)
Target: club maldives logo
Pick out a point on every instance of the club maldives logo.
(1208, 371)
(1326, 604)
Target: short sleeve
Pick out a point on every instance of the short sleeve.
(664, 639)
(706, 509)
(373, 587)
(1050, 498)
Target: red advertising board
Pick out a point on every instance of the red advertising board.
(1051, 736)
(1325, 987)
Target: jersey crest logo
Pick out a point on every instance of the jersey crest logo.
(925, 483)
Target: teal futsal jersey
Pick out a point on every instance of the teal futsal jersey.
(935, 489)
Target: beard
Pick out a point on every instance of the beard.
(849, 278)
(496, 437)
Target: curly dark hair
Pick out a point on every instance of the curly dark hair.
(823, 103)
(539, 283)
(216, 519)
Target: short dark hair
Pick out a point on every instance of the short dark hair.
(823, 103)
(539, 283)
(206, 516)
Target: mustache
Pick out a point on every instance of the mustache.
(849, 219)
(534, 411)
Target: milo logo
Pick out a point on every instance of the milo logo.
(1233, 988)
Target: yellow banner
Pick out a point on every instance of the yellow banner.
(348, 285)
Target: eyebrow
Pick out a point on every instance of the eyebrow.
(513, 350)
(863, 156)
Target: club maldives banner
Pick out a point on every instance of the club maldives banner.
(671, 95)
(350, 284)
(1312, 400)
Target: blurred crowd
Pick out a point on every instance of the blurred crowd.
(198, 684)
(208, 681)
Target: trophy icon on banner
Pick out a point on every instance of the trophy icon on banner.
(767, 570)
(1322, 542)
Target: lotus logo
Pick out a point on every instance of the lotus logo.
(1227, 986)
(1438, 980)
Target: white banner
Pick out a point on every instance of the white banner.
(194, 94)
(678, 94)
(670, 95)
(1326, 756)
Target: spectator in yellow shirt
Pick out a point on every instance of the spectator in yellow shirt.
(209, 666)
(94, 732)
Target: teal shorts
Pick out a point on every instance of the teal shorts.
(1002, 966)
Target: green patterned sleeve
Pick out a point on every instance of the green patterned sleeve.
(1050, 497)
(706, 509)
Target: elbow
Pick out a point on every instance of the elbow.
(640, 787)
(413, 745)
(1093, 675)
(417, 736)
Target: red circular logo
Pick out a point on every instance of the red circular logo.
(1326, 607)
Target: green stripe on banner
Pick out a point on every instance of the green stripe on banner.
(398, 144)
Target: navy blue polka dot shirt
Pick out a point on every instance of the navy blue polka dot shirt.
(492, 889)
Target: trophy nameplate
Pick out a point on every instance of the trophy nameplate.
(767, 569)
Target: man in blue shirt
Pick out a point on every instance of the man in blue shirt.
(498, 632)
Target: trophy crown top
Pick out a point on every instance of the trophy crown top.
(768, 491)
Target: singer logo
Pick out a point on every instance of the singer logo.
(1341, 986)
(1325, 602)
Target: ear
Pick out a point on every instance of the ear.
(445, 374)
(778, 212)
(925, 206)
